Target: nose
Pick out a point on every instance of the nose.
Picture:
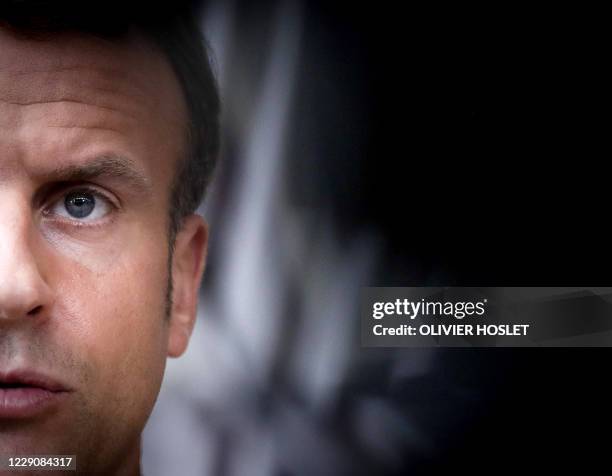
(23, 289)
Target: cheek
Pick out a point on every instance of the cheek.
(98, 251)
(112, 308)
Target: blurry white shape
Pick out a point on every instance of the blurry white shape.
(253, 452)
(218, 30)
(210, 404)
(251, 275)
(331, 306)
(303, 447)
(173, 440)
(212, 371)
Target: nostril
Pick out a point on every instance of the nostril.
(34, 311)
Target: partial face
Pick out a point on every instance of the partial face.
(90, 135)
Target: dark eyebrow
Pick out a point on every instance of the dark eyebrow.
(106, 166)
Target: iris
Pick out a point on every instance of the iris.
(79, 204)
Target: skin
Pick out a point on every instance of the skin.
(84, 300)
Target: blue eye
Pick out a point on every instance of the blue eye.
(80, 204)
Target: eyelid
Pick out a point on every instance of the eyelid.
(60, 190)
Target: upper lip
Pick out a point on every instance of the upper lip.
(32, 378)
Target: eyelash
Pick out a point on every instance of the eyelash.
(60, 197)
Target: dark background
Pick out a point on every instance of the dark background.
(480, 151)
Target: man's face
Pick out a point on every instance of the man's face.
(90, 135)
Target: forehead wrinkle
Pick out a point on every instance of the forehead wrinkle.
(19, 71)
(83, 91)
(67, 101)
(86, 77)
(87, 127)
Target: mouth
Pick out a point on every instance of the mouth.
(14, 385)
(25, 394)
(30, 379)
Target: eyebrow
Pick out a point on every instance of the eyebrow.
(106, 166)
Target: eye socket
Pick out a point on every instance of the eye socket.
(81, 205)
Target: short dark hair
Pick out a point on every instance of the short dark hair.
(174, 30)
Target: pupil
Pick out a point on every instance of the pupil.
(80, 204)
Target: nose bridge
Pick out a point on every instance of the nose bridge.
(23, 289)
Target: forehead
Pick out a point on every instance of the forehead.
(70, 96)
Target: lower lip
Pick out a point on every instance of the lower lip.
(24, 402)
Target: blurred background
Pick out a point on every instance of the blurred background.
(378, 145)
